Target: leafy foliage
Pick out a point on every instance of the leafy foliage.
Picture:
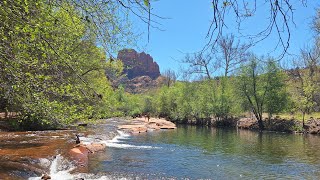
(263, 88)
(52, 73)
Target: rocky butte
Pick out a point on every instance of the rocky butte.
(138, 64)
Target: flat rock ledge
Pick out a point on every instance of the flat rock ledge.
(140, 125)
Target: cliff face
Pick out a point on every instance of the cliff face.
(138, 64)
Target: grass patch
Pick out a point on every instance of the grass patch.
(298, 116)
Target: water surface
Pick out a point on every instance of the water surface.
(187, 152)
(209, 153)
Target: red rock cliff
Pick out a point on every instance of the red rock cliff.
(138, 64)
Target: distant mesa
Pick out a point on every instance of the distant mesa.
(138, 64)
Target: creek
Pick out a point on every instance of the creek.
(188, 152)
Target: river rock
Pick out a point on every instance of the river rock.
(281, 125)
(80, 152)
(247, 123)
(95, 147)
(275, 124)
(153, 125)
(313, 126)
(143, 125)
(45, 177)
(80, 155)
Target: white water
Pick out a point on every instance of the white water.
(86, 140)
(57, 166)
(117, 143)
(60, 168)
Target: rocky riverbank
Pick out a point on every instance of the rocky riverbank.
(312, 126)
(277, 124)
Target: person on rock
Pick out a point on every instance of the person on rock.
(77, 139)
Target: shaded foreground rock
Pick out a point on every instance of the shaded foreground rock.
(140, 125)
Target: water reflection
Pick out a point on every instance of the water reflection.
(202, 152)
(268, 146)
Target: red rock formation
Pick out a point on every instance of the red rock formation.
(138, 64)
(142, 84)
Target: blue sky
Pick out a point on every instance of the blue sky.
(189, 21)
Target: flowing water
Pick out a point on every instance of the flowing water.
(185, 153)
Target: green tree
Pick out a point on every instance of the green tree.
(258, 83)
(52, 72)
(276, 94)
(305, 82)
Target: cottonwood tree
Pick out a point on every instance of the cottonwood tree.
(200, 64)
(227, 55)
(170, 76)
(316, 23)
(305, 81)
(231, 53)
(257, 81)
(276, 99)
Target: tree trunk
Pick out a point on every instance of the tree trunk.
(303, 114)
(260, 123)
(269, 119)
(259, 118)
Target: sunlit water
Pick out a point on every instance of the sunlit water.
(194, 153)
(208, 153)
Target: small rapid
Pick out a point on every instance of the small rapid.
(61, 168)
(117, 142)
